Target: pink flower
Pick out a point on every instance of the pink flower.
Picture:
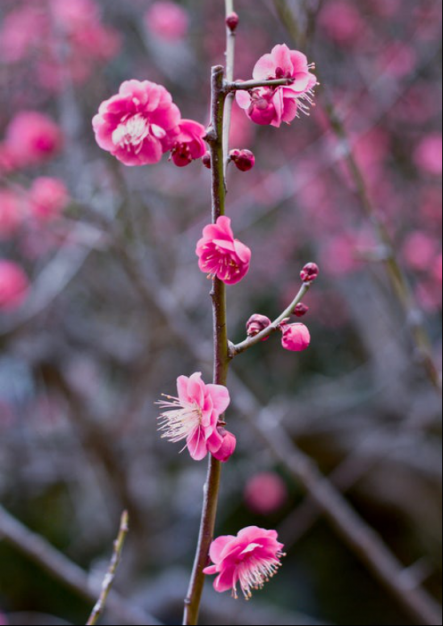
(33, 138)
(189, 144)
(167, 20)
(244, 159)
(420, 250)
(266, 493)
(296, 337)
(256, 324)
(195, 415)
(139, 124)
(48, 198)
(14, 286)
(267, 105)
(11, 213)
(222, 256)
(250, 559)
(428, 155)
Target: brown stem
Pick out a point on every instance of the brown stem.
(221, 352)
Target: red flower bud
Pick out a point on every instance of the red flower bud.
(256, 324)
(206, 160)
(243, 159)
(232, 22)
(301, 310)
(310, 273)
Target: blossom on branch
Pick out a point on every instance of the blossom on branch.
(251, 559)
(195, 416)
(139, 124)
(275, 105)
(189, 144)
(296, 337)
(222, 256)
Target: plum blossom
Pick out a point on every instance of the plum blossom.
(222, 256)
(296, 337)
(194, 417)
(48, 197)
(250, 560)
(139, 124)
(14, 286)
(256, 324)
(275, 105)
(32, 138)
(167, 20)
(266, 493)
(189, 144)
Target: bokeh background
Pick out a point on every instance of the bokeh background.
(102, 304)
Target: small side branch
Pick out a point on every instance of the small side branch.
(255, 84)
(235, 350)
(112, 570)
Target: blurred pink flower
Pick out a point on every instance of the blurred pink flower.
(21, 32)
(194, 416)
(33, 138)
(11, 213)
(48, 197)
(420, 250)
(266, 493)
(342, 22)
(167, 20)
(250, 559)
(296, 337)
(14, 286)
(189, 144)
(274, 106)
(138, 125)
(429, 154)
(222, 256)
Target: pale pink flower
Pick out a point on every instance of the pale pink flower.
(194, 417)
(222, 256)
(189, 144)
(139, 124)
(21, 33)
(33, 138)
(275, 105)
(250, 560)
(167, 20)
(419, 251)
(266, 493)
(429, 154)
(11, 213)
(48, 197)
(14, 286)
(296, 337)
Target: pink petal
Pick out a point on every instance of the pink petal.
(218, 546)
(299, 61)
(197, 445)
(225, 581)
(210, 571)
(243, 99)
(220, 397)
(214, 441)
(196, 389)
(282, 58)
(265, 68)
(182, 388)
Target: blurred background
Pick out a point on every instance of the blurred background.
(102, 304)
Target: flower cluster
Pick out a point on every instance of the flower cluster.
(275, 105)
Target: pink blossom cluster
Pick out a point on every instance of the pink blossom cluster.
(41, 34)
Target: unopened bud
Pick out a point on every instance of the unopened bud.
(232, 22)
(310, 272)
(243, 159)
(301, 310)
(256, 324)
(206, 160)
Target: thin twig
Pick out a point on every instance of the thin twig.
(274, 327)
(255, 84)
(229, 103)
(41, 552)
(112, 570)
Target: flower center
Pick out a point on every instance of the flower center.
(133, 131)
(254, 572)
(179, 419)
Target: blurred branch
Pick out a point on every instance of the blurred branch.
(42, 553)
(111, 572)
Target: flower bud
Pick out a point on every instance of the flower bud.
(256, 324)
(228, 446)
(206, 160)
(310, 273)
(296, 337)
(232, 22)
(243, 159)
(301, 310)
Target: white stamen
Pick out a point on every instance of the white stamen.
(132, 132)
(179, 419)
(254, 573)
